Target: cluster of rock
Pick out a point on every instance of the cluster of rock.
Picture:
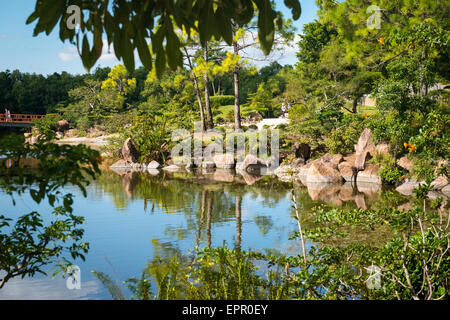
(353, 168)
(336, 168)
(130, 161)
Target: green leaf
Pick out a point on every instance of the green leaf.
(266, 32)
(295, 7)
(144, 51)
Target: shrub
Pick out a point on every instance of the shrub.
(343, 139)
(391, 175)
(47, 124)
(218, 101)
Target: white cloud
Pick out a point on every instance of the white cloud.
(107, 52)
(70, 53)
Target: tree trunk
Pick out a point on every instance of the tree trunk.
(197, 92)
(209, 118)
(355, 105)
(238, 222)
(237, 111)
(202, 213)
(209, 207)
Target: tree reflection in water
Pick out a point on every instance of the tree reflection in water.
(209, 200)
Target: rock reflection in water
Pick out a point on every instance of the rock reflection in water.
(360, 195)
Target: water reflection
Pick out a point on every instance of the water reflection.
(133, 218)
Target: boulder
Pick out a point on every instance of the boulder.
(35, 139)
(351, 159)
(138, 166)
(304, 170)
(369, 175)
(382, 148)
(130, 151)
(348, 171)
(328, 160)
(321, 172)
(439, 183)
(301, 150)
(225, 161)
(254, 117)
(335, 160)
(405, 163)
(364, 142)
(62, 125)
(28, 136)
(153, 165)
(408, 186)
(251, 164)
(122, 164)
(361, 158)
(364, 149)
(446, 190)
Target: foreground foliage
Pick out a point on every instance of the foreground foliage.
(32, 241)
(412, 263)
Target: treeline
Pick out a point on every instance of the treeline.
(33, 93)
(38, 94)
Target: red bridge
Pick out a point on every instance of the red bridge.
(18, 120)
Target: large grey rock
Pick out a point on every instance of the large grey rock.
(407, 187)
(348, 171)
(251, 164)
(122, 164)
(322, 172)
(369, 175)
(328, 160)
(446, 190)
(225, 161)
(439, 183)
(62, 125)
(364, 149)
(130, 151)
(405, 163)
(382, 148)
(153, 165)
(335, 160)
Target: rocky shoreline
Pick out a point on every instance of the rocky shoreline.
(330, 169)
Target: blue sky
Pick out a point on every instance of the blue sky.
(47, 54)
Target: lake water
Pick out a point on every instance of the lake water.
(134, 218)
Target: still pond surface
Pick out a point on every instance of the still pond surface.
(133, 218)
